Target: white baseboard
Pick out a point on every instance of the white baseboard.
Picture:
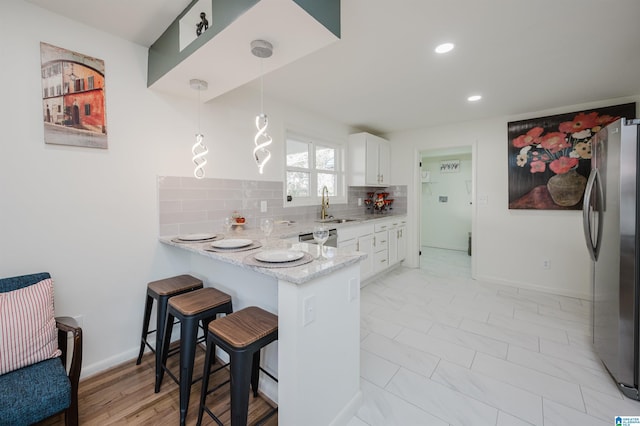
(551, 290)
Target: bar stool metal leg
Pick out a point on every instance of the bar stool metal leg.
(188, 336)
(209, 358)
(240, 379)
(145, 327)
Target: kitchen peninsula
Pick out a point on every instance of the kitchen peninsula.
(317, 355)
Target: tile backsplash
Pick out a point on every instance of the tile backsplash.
(189, 205)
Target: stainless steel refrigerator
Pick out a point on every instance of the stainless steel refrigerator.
(610, 215)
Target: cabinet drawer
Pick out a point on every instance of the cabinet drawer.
(380, 260)
(378, 227)
(381, 241)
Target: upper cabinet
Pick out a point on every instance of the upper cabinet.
(221, 53)
(368, 160)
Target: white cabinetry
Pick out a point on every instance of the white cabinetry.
(402, 241)
(368, 160)
(397, 241)
(365, 245)
(359, 238)
(381, 247)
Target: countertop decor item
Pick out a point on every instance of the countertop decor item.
(199, 149)
(261, 49)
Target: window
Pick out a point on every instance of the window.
(78, 85)
(87, 109)
(312, 164)
(90, 82)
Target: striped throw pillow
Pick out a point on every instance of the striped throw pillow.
(27, 326)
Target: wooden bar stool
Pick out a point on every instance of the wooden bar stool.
(201, 305)
(242, 335)
(161, 291)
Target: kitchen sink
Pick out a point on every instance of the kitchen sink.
(337, 220)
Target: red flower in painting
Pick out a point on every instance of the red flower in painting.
(562, 149)
(563, 165)
(532, 137)
(554, 142)
(538, 166)
(580, 122)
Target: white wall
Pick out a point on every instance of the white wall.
(89, 216)
(508, 245)
(446, 224)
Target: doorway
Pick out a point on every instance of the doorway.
(445, 208)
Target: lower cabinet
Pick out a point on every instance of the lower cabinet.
(381, 251)
(397, 242)
(382, 240)
(365, 245)
(402, 242)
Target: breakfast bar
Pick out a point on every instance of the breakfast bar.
(317, 355)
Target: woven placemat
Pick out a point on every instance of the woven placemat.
(251, 260)
(253, 245)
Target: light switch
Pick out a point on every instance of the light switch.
(263, 206)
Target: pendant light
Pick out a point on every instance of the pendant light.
(199, 149)
(261, 49)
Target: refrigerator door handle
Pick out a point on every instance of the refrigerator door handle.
(594, 179)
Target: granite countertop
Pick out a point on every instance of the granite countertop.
(334, 258)
(288, 230)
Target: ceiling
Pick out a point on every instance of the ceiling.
(383, 76)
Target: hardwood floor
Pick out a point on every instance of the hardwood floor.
(124, 395)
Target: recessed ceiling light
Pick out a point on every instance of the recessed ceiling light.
(444, 48)
(474, 98)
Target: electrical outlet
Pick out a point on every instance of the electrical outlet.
(309, 310)
(263, 206)
(546, 264)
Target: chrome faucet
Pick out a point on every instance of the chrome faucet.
(325, 203)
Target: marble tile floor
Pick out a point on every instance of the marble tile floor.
(439, 348)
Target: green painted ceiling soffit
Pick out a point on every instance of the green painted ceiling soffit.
(165, 53)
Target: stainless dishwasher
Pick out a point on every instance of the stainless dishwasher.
(332, 241)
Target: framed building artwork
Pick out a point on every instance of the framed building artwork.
(73, 98)
(549, 158)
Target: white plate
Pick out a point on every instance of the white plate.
(196, 237)
(231, 243)
(275, 256)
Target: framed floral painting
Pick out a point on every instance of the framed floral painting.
(550, 157)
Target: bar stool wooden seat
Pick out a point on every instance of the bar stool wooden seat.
(203, 306)
(242, 335)
(161, 291)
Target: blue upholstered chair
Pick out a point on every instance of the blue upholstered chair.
(41, 390)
